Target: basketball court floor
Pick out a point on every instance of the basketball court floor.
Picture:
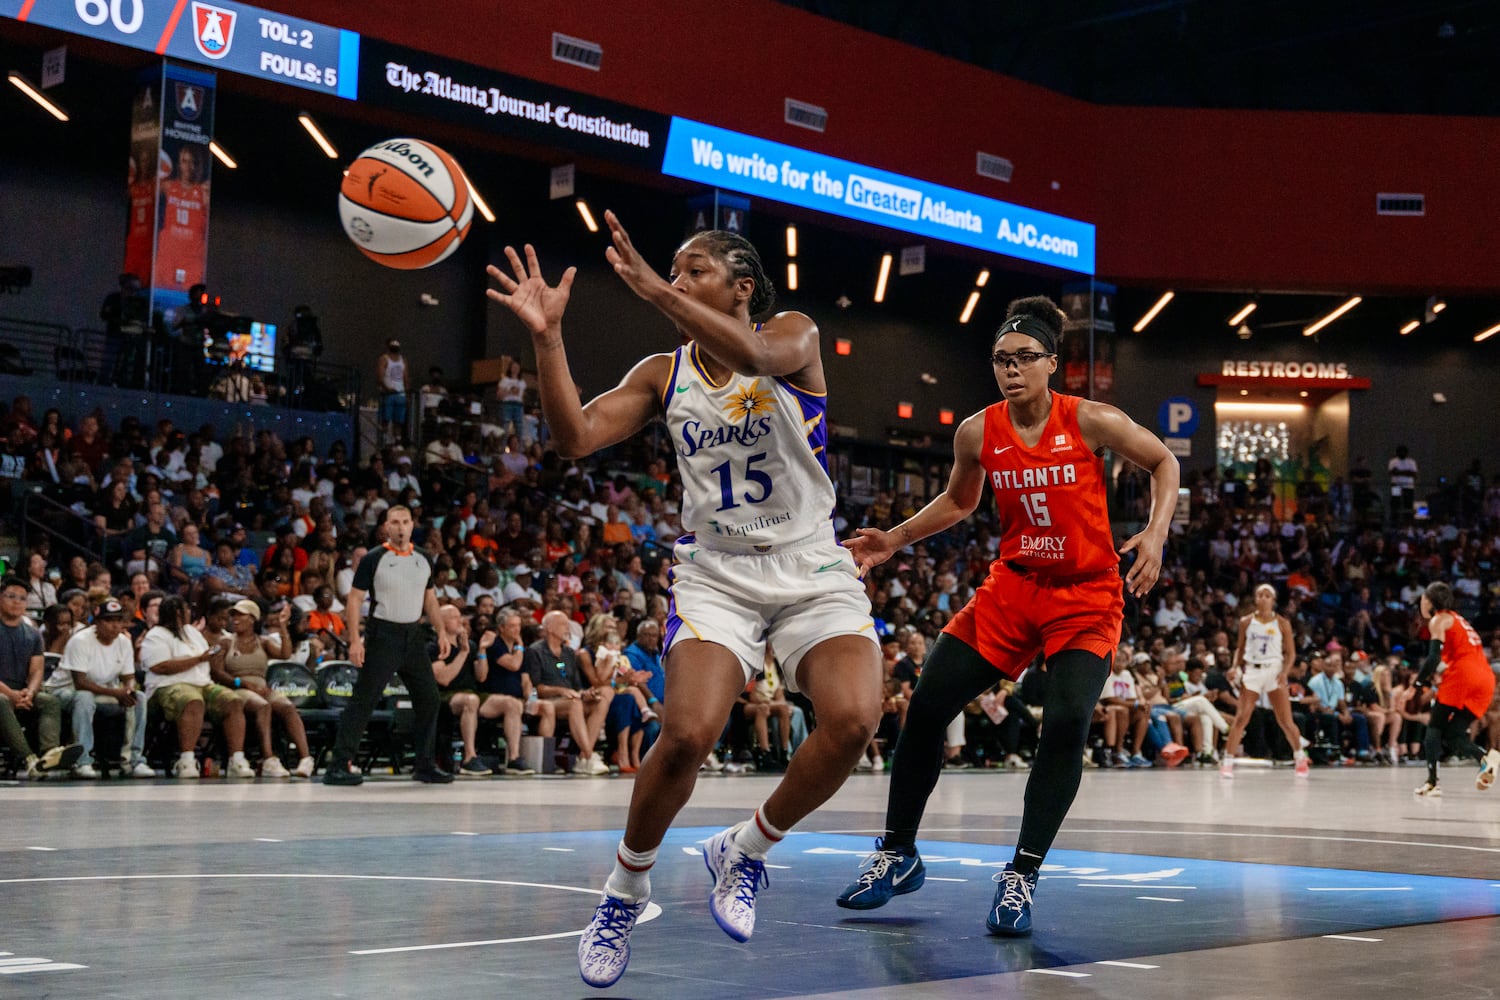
(1175, 884)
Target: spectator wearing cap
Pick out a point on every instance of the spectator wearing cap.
(402, 477)
(247, 657)
(21, 694)
(394, 381)
(520, 588)
(98, 668)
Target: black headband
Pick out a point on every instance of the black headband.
(1032, 327)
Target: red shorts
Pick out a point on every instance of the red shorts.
(1013, 617)
(1468, 684)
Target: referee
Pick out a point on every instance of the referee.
(399, 582)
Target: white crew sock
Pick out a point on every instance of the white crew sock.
(631, 878)
(756, 838)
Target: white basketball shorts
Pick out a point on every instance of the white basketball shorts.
(792, 599)
(1261, 677)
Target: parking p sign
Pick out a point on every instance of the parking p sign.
(1178, 417)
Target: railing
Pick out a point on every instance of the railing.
(70, 532)
(31, 348)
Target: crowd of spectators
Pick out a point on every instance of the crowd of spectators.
(248, 542)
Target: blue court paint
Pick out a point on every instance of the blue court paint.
(1085, 910)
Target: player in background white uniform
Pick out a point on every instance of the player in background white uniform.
(1264, 654)
(744, 405)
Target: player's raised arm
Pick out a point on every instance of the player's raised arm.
(786, 344)
(576, 429)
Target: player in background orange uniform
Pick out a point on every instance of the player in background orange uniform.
(1054, 588)
(1463, 692)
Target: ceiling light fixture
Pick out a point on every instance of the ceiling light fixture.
(479, 202)
(1484, 335)
(1161, 304)
(1409, 326)
(25, 87)
(1353, 301)
(1234, 407)
(318, 136)
(885, 275)
(969, 307)
(791, 275)
(983, 279)
(588, 217)
(221, 156)
(791, 241)
(1245, 310)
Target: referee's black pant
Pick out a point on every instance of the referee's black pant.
(392, 648)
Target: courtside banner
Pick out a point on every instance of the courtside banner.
(738, 162)
(225, 36)
(403, 79)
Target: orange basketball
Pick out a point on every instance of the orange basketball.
(405, 203)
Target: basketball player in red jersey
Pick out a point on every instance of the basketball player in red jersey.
(181, 247)
(1463, 692)
(1054, 588)
(141, 226)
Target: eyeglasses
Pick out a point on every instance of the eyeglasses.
(1021, 359)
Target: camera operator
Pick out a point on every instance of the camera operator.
(304, 347)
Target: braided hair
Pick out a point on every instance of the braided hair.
(743, 261)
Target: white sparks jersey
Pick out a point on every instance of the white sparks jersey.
(753, 456)
(1263, 642)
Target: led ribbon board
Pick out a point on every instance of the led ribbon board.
(766, 169)
(229, 36)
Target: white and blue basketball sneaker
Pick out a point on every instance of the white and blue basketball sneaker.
(737, 878)
(886, 874)
(604, 949)
(1010, 913)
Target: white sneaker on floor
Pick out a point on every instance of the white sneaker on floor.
(140, 769)
(272, 767)
(1429, 790)
(304, 768)
(878, 764)
(737, 878)
(184, 768)
(734, 767)
(85, 772)
(1226, 767)
(1015, 763)
(1487, 771)
(712, 763)
(864, 765)
(239, 767)
(604, 948)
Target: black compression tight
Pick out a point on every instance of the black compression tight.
(954, 675)
(1451, 726)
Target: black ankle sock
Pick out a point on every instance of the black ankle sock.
(1027, 863)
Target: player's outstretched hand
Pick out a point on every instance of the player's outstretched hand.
(536, 304)
(871, 547)
(1142, 576)
(627, 260)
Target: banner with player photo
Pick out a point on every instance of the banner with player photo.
(1088, 343)
(166, 235)
(184, 169)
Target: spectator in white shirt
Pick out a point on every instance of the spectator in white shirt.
(98, 668)
(520, 588)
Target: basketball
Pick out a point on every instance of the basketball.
(405, 203)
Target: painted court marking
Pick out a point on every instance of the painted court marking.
(938, 878)
(1160, 899)
(1349, 937)
(267, 840)
(1128, 965)
(41, 848)
(1200, 833)
(1061, 972)
(1360, 888)
(15, 966)
(652, 910)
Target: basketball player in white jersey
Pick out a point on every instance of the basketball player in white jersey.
(1264, 654)
(745, 406)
